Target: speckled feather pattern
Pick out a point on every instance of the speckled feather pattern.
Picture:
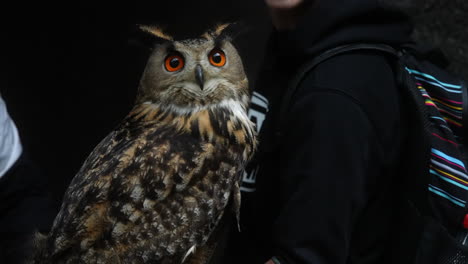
(153, 188)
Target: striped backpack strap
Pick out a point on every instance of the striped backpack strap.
(443, 98)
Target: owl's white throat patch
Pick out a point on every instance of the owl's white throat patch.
(237, 108)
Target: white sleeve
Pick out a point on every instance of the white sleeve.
(10, 144)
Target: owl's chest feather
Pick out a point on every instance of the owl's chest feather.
(225, 126)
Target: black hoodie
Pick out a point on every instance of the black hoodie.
(322, 194)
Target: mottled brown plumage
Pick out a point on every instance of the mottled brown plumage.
(157, 186)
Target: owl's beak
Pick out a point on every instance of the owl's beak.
(199, 76)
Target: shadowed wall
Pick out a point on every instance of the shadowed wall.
(442, 24)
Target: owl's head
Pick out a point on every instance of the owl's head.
(193, 73)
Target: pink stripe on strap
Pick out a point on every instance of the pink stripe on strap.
(454, 143)
(449, 162)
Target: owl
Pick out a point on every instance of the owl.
(156, 189)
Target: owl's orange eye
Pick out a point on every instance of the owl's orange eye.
(217, 58)
(174, 62)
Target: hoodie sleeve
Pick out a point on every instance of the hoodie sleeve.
(330, 154)
(10, 145)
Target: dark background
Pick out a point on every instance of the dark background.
(69, 72)
(443, 24)
(72, 71)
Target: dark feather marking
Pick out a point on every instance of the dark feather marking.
(158, 207)
(218, 42)
(205, 207)
(159, 185)
(163, 115)
(171, 48)
(149, 192)
(131, 169)
(177, 178)
(225, 185)
(116, 212)
(163, 166)
(215, 178)
(220, 128)
(195, 128)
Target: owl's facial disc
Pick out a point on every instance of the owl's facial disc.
(194, 73)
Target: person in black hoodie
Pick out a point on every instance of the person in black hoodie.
(322, 192)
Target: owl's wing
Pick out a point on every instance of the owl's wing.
(86, 201)
(148, 191)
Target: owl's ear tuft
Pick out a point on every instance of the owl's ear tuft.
(146, 37)
(224, 31)
(219, 29)
(155, 31)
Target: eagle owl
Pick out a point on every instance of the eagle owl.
(156, 187)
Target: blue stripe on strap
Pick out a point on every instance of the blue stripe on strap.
(433, 78)
(454, 160)
(449, 180)
(447, 196)
(438, 85)
(440, 118)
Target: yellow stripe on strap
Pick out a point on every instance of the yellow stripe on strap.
(451, 106)
(449, 175)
